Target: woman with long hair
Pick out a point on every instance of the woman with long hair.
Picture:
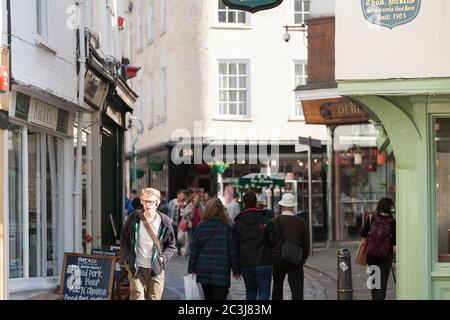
(379, 229)
(213, 254)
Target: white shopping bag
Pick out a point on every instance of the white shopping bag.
(192, 289)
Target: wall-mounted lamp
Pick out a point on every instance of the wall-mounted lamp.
(287, 35)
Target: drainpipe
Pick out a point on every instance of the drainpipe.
(78, 162)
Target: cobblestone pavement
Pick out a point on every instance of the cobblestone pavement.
(320, 277)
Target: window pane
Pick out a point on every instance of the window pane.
(232, 69)
(298, 18)
(231, 16)
(222, 107)
(306, 6)
(15, 175)
(242, 109)
(52, 202)
(34, 215)
(298, 5)
(241, 17)
(442, 129)
(242, 69)
(222, 16)
(233, 82)
(223, 96)
(242, 83)
(221, 5)
(233, 96)
(242, 96)
(233, 108)
(223, 69)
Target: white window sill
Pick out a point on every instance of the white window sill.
(234, 26)
(22, 285)
(41, 44)
(297, 119)
(231, 118)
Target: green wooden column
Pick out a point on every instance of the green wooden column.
(405, 119)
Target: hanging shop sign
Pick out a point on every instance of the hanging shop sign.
(390, 13)
(333, 111)
(252, 5)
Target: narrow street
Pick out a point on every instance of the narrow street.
(320, 278)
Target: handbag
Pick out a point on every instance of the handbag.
(361, 255)
(290, 251)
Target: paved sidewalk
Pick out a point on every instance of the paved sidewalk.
(324, 263)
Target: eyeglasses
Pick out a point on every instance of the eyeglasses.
(149, 202)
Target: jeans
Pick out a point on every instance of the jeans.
(258, 281)
(385, 268)
(295, 278)
(215, 292)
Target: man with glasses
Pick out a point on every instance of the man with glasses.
(147, 244)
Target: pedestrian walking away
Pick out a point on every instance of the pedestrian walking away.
(288, 228)
(250, 237)
(213, 253)
(192, 216)
(379, 229)
(147, 245)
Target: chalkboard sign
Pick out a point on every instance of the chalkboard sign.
(87, 277)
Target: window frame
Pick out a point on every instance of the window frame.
(294, 115)
(151, 103)
(42, 21)
(41, 280)
(303, 12)
(151, 22)
(235, 117)
(163, 95)
(162, 17)
(230, 25)
(139, 32)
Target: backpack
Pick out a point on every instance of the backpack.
(379, 240)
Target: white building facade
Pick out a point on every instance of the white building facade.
(43, 104)
(220, 76)
(48, 70)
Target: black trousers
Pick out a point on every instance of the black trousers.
(385, 268)
(295, 275)
(215, 292)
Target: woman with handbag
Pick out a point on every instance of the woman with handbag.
(213, 253)
(379, 232)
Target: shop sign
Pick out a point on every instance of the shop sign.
(44, 114)
(390, 13)
(333, 111)
(252, 5)
(95, 91)
(4, 81)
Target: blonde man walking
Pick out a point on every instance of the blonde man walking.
(147, 244)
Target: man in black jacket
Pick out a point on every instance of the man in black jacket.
(292, 228)
(250, 237)
(147, 243)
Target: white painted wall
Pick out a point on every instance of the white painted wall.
(322, 8)
(55, 73)
(190, 50)
(418, 49)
